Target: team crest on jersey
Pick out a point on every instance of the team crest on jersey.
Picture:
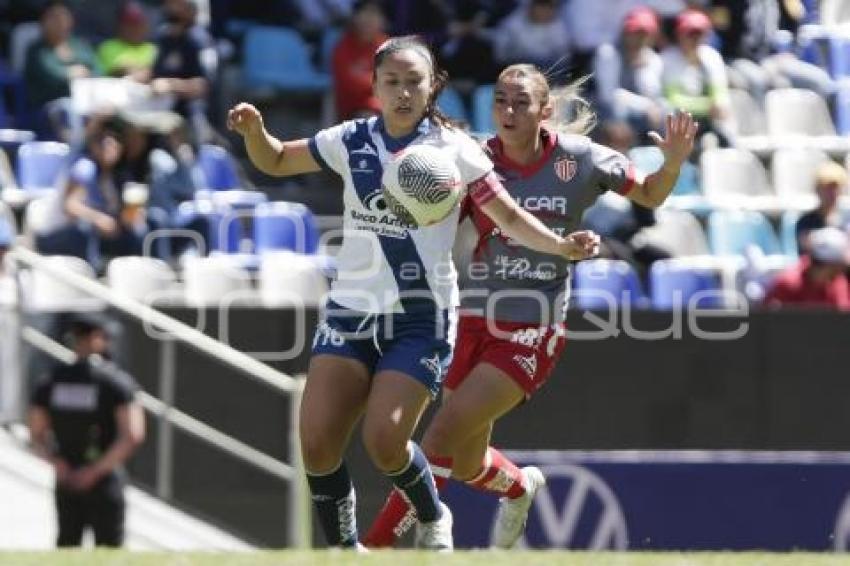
(566, 168)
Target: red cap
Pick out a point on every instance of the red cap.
(641, 19)
(132, 13)
(692, 20)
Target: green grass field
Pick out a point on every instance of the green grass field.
(393, 558)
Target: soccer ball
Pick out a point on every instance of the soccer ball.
(421, 185)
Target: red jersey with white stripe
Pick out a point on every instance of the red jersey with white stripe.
(509, 282)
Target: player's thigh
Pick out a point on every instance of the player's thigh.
(487, 394)
(334, 397)
(396, 404)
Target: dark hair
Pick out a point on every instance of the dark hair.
(439, 77)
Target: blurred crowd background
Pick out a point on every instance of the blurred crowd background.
(111, 128)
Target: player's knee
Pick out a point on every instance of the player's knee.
(386, 449)
(318, 451)
(440, 438)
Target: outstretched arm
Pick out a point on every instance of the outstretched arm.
(676, 146)
(522, 226)
(267, 153)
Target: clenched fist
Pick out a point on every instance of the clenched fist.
(245, 119)
(583, 244)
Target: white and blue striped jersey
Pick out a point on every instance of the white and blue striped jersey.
(385, 265)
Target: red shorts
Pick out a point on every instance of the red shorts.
(527, 353)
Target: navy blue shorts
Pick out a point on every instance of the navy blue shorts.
(418, 344)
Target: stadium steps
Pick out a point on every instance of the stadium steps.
(28, 519)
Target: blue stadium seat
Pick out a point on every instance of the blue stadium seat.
(730, 232)
(839, 56)
(41, 165)
(330, 38)
(218, 167)
(788, 232)
(603, 283)
(675, 284)
(224, 223)
(451, 103)
(278, 57)
(649, 158)
(285, 226)
(482, 110)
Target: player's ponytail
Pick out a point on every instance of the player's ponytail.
(439, 77)
(571, 113)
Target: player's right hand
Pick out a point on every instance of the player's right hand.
(579, 245)
(244, 119)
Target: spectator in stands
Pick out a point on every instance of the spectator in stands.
(819, 279)
(85, 421)
(352, 61)
(534, 34)
(468, 52)
(52, 62)
(426, 18)
(628, 76)
(130, 54)
(748, 31)
(185, 64)
(105, 216)
(830, 182)
(313, 16)
(591, 23)
(694, 77)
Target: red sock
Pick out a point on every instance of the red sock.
(397, 515)
(499, 475)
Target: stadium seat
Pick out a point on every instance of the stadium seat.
(605, 283)
(678, 283)
(284, 226)
(237, 198)
(735, 177)
(482, 110)
(287, 278)
(748, 114)
(41, 215)
(677, 232)
(451, 103)
(42, 166)
(793, 171)
(22, 37)
(278, 57)
(211, 280)
(225, 227)
(788, 233)
(649, 159)
(44, 292)
(330, 39)
(794, 111)
(218, 167)
(142, 278)
(731, 232)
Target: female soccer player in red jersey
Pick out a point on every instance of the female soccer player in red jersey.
(555, 172)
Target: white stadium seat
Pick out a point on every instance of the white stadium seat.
(735, 178)
(676, 231)
(211, 280)
(288, 278)
(793, 172)
(44, 292)
(142, 278)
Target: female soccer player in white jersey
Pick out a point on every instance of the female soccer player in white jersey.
(387, 331)
(500, 361)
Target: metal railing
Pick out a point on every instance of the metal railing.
(162, 408)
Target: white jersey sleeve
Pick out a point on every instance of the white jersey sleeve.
(472, 162)
(328, 147)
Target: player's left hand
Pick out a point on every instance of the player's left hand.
(579, 245)
(679, 140)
